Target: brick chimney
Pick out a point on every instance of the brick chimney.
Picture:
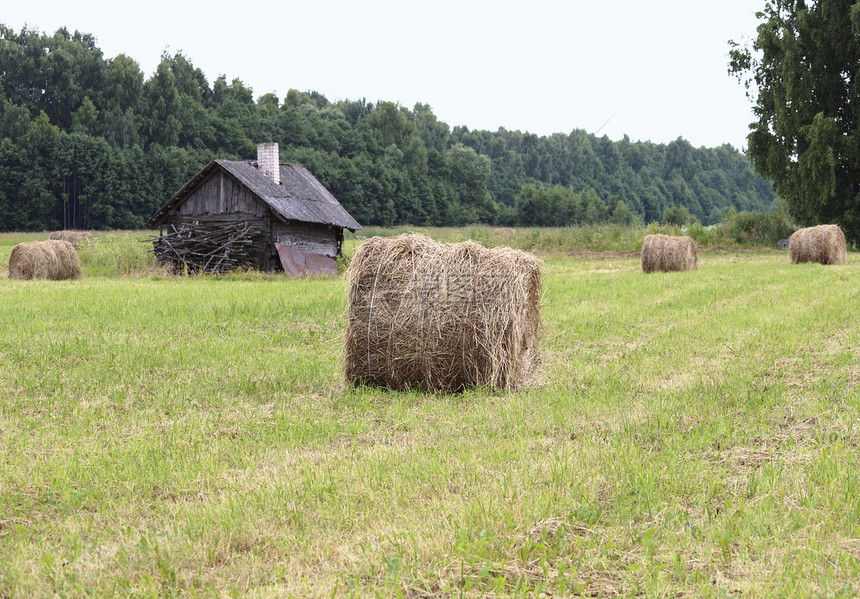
(268, 161)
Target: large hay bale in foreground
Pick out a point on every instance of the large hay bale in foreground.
(824, 244)
(665, 253)
(52, 259)
(76, 238)
(442, 317)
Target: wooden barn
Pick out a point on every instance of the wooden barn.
(254, 214)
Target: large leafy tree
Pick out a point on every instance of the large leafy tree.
(804, 66)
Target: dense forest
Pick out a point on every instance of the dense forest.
(89, 142)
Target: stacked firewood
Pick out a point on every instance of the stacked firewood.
(194, 248)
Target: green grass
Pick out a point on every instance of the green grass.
(693, 434)
(112, 254)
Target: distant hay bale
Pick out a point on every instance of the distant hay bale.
(442, 317)
(76, 238)
(51, 259)
(61, 236)
(666, 254)
(824, 244)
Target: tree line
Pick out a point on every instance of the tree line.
(89, 142)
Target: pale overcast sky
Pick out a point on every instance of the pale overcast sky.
(651, 70)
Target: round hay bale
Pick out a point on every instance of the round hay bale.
(59, 236)
(51, 259)
(84, 237)
(73, 237)
(824, 244)
(442, 317)
(32, 260)
(667, 254)
(68, 263)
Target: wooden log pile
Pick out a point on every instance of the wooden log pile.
(214, 248)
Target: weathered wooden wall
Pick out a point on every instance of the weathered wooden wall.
(308, 237)
(220, 194)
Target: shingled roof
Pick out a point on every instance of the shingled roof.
(299, 197)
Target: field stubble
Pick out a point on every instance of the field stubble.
(692, 434)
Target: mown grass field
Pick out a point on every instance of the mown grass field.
(693, 434)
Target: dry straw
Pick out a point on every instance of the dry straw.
(665, 253)
(824, 244)
(44, 260)
(442, 317)
(74, 237)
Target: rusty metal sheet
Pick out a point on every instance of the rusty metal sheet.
(300, 264)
